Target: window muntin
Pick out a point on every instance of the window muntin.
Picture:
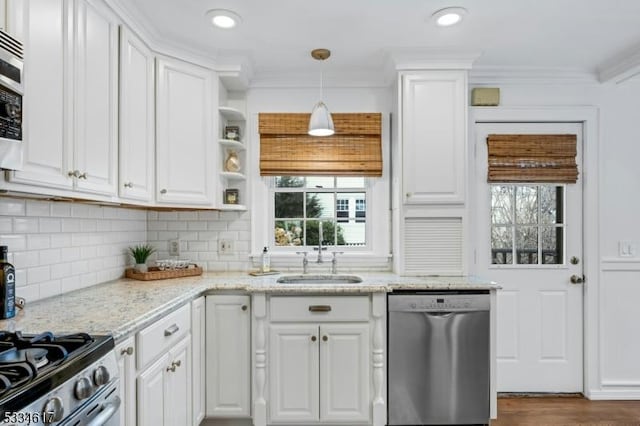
(301, 204)
(527, 224)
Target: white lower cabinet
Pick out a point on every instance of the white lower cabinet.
(164, 360)
(228, 364)
(127, 368)
(319, 365)
(164, 388)
(344, 372)
(198, 321)
(294, 373)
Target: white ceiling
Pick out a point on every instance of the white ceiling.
(276, 36)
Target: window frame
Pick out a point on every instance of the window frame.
(273, 189)
(539, 226)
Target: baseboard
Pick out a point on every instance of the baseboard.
(614, 394)
(506, 395)
(226, 422)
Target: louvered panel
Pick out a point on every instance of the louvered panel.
(433, 246)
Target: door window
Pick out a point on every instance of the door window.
(527, 224)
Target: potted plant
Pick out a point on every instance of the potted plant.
(140, 254)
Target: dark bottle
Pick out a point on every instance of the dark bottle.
(7, 286)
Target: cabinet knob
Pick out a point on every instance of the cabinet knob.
(127, 351)
(172, 367)
(73, 173)
(177, 363)
(82, 176)
(325, 338)
(163, 191)
(128, 185)
(244, 307)
(314, 338)
(408, 194)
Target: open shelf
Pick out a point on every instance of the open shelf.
(233, 207)
(231, 114)
(229, 143)
(233, 175)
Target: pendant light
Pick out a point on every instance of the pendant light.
(321, 123)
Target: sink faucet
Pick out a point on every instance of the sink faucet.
(305, 261)
(319, 248)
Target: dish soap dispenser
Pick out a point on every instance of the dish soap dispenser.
(266, 263)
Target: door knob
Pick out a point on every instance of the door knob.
(577, 279)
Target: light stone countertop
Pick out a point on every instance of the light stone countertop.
(125, 306)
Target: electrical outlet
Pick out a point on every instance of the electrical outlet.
(174, 247)
(224, 246)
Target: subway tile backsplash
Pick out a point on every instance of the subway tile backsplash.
(58, 247)
(199, 233)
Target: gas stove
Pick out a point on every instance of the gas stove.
(58, 379)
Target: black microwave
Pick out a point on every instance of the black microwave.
(11, 92)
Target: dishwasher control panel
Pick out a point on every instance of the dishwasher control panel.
(441, 302)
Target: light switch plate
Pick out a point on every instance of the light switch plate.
(627, 248)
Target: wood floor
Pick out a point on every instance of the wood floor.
(541, 411)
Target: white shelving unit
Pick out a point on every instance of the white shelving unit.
(233, 180)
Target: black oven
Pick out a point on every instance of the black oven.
(11, 108)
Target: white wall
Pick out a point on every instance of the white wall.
(57, 247)
(338, 99)
(612, 357)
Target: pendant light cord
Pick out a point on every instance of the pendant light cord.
(321, 80)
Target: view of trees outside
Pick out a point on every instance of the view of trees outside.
(527, 224)
(311, 201)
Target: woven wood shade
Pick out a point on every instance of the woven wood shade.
(532, 158)
(287, 150)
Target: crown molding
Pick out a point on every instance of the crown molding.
(433, 58)
(622, 67)
(530, 75)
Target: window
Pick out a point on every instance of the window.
(527, 224)
(361, 210)
(304, 206)
(342, 209)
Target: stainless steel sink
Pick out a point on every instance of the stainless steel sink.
(319, 279)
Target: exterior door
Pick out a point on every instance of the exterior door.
(529, 240)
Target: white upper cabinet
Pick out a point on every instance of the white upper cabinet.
(185, 157)
(47, 143)
(71, 77)
(433, 136)
(96, 98)
(137, 119)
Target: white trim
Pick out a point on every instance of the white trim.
(503, 76)
(613, 394)
(619, 264)
(588, 116)
(622, 67)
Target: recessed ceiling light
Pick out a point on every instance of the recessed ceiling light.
(223, 18)
(449, 16)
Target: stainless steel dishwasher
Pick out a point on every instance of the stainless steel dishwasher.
(438, 357)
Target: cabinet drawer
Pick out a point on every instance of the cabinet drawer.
(319, 308)
(162, 335)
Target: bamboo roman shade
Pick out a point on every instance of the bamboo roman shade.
(287, 150)
(532, 158)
